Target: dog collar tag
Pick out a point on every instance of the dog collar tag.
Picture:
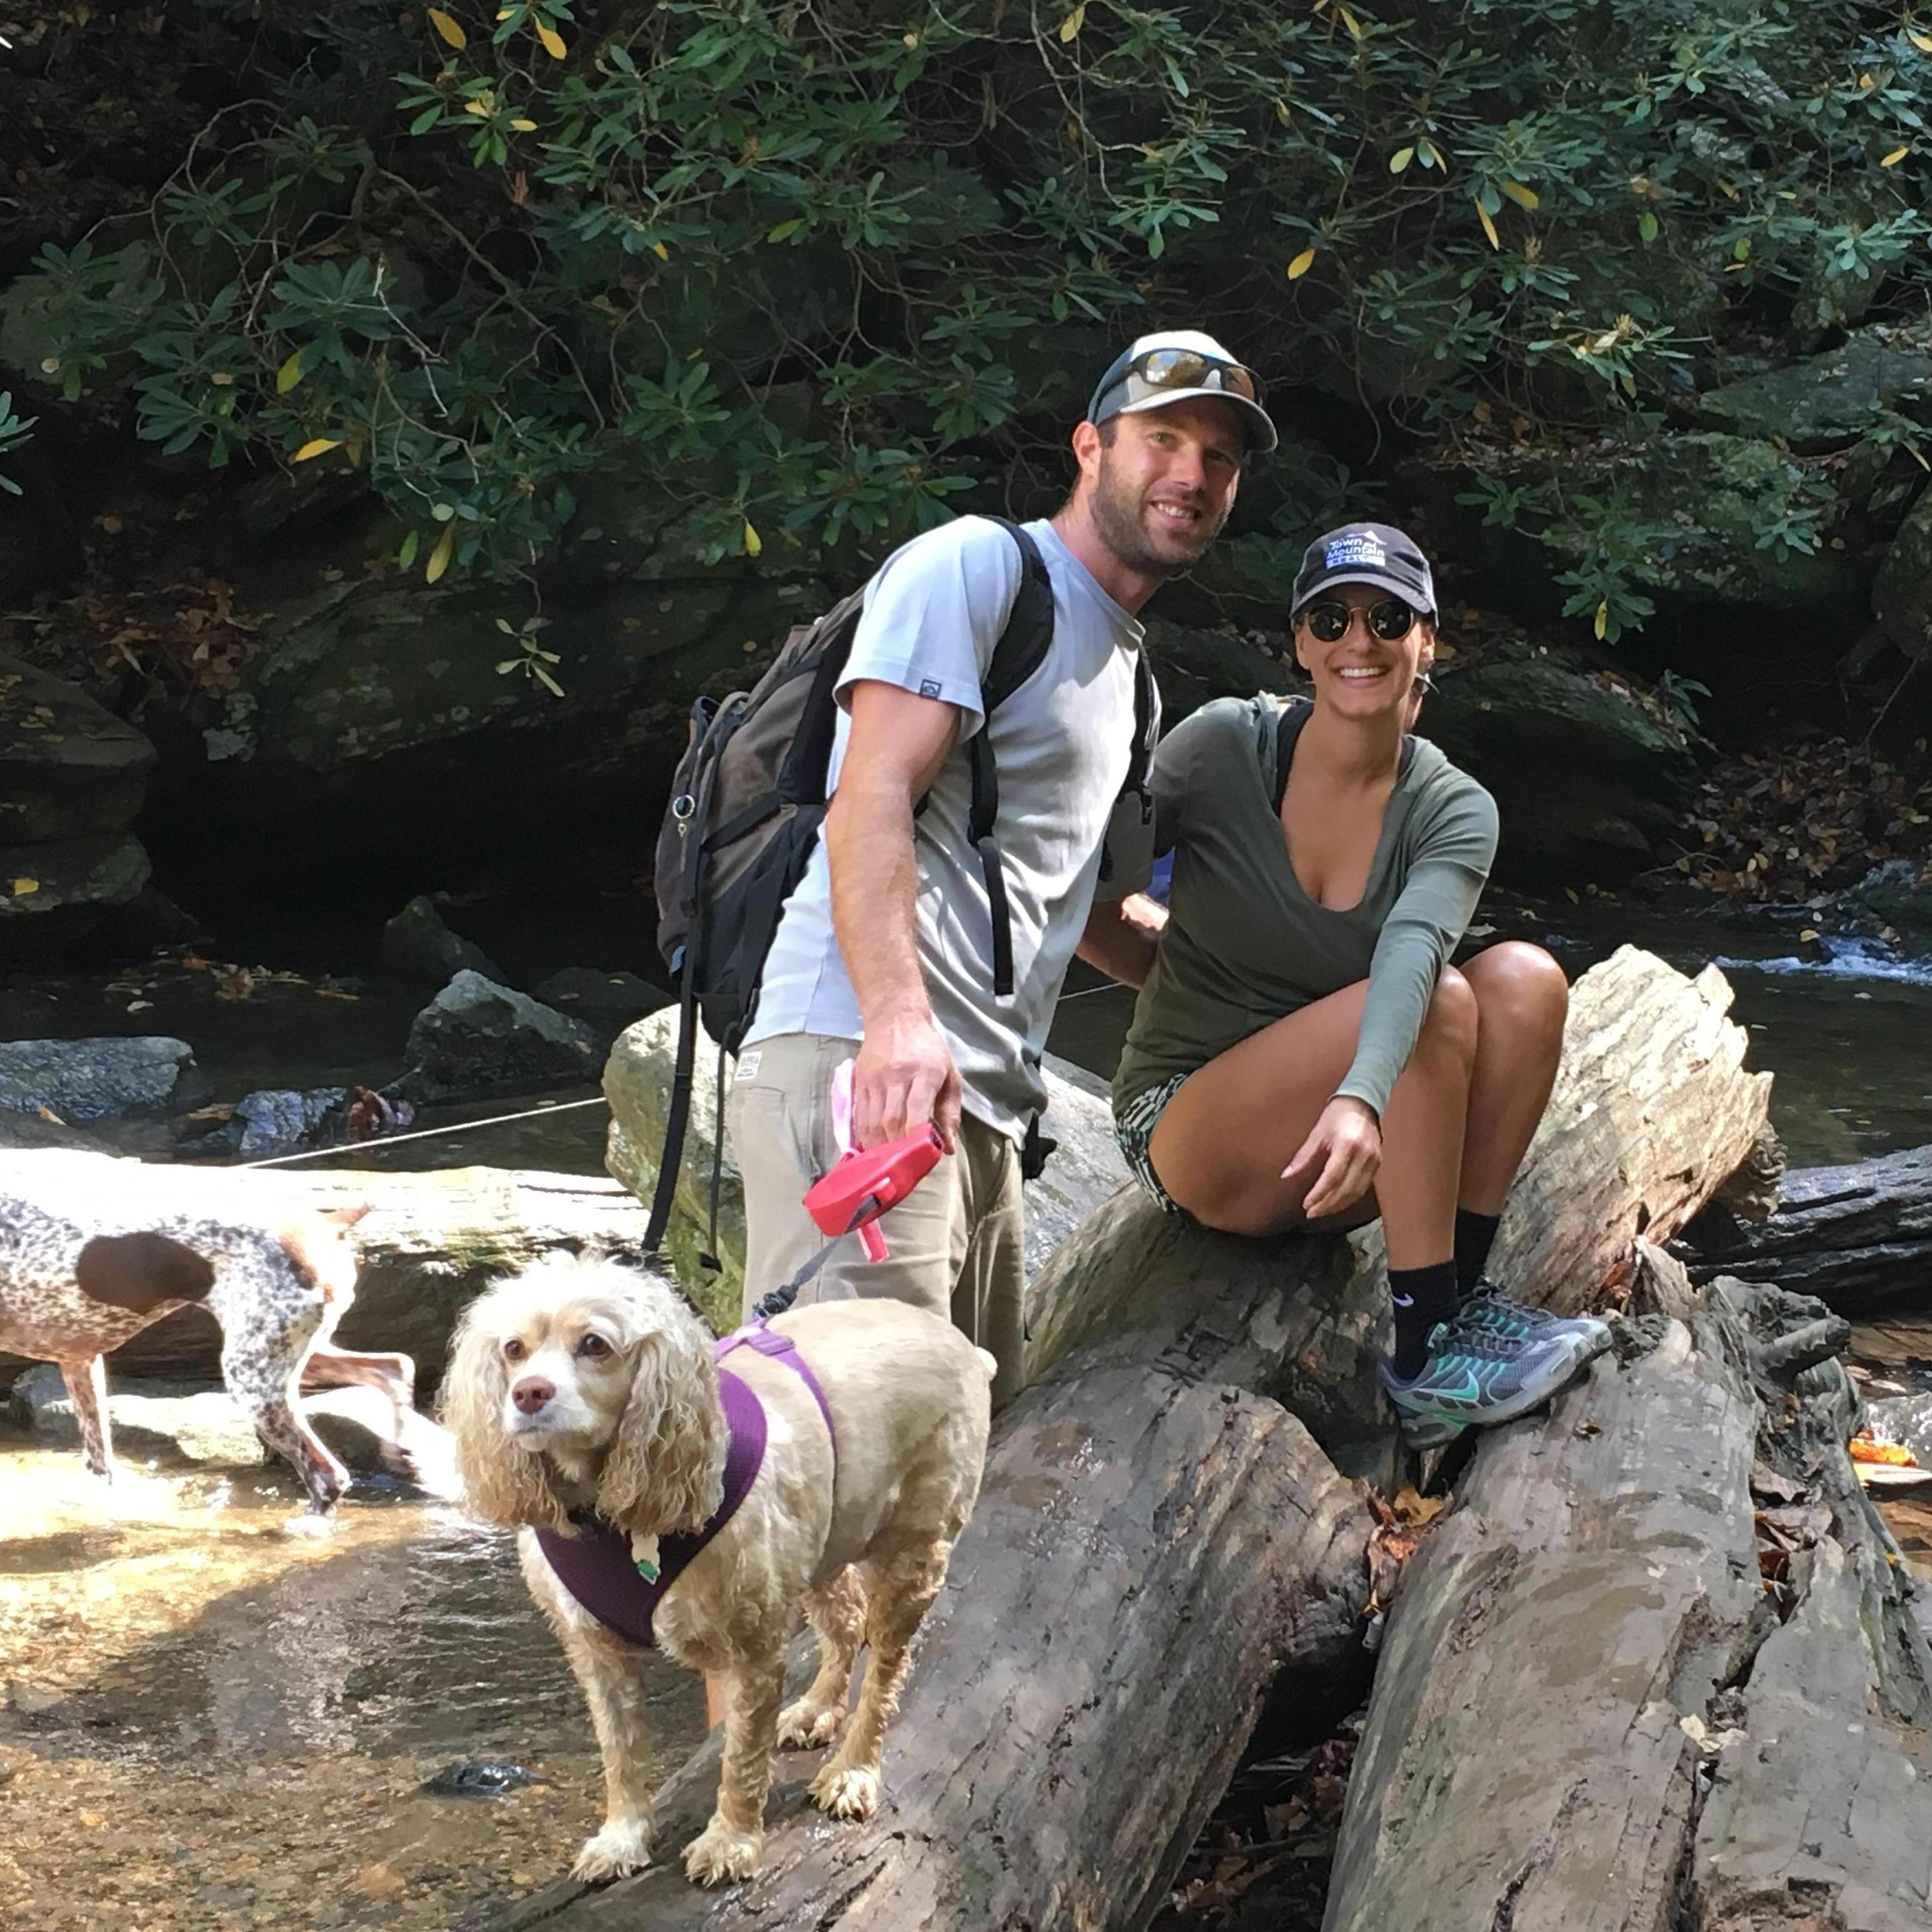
(644, 1558)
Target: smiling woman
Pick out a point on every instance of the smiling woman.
(1303, 1053)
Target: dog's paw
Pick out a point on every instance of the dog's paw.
(623, 1846)
(806, 1726)
(720, 1856)
(847, 1791)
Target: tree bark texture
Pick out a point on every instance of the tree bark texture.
(1655, 1672)
(1858, 1237)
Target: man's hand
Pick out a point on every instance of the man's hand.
(1343, 1151)
(903, 1077)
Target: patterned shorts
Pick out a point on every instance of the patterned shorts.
(1133, 1128)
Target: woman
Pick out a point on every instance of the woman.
(1302, 1055)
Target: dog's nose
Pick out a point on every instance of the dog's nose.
(532, 1393)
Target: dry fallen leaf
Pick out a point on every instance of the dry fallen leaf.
(379, 1881)
(1869, 1449)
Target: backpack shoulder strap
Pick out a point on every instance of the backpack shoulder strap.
(1020, 652)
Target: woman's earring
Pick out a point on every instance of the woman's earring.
(1423, 682)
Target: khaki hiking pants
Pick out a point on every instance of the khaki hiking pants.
(954, 1242)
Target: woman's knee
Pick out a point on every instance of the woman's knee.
(1520, 985)
(1450, 1025)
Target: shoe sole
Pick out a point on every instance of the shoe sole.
(1438, 1431)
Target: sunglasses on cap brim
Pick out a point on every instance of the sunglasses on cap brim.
(1388, 619)
(1160, 369)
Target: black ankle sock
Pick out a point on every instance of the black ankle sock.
(1423, 1297)
(1475, 1234)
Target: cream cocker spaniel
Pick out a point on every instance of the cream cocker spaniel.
(584, 1389)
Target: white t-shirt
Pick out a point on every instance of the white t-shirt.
(1061, 744)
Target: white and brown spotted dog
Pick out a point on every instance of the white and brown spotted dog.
(93, 1248)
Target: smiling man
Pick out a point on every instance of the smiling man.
(885, 953)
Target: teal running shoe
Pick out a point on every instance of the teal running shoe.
(1487, 1306)
(1475, 1378)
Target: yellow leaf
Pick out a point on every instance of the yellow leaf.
(22, 887)
(524, 127)
(1400, 159)
(289, 374)
(317, 445)
(479, 108)
(1489, 226)
(1923, 42)
(1603, 623)
(1523, 197)
(446, 29)
(754, 543)
(1349, 20)
(1070, 27)
(553, 41)
(1300, 266)
(1892, 159)
(438, 558)
(658, 249)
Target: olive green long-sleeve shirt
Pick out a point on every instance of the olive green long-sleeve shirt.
(1245, 945)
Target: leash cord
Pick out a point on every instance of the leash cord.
(426, 1133)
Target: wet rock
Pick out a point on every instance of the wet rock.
(1824, 402)
(1902, 591)
(148, 923)
(53, 896)
(1589, 783)
(416, 942)
(1903, 1419)
(478, 1037)
(477, 1777)
(606, 1002)
(1086, 1170)
(81, 1080)
(277, 1121)
(1900, 892)
(69, 769)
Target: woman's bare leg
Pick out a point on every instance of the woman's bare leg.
(1522, 999)
(1221, 1141)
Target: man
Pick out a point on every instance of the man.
(883, 954)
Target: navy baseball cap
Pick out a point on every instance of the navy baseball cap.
(1376, 553)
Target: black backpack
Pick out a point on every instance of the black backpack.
(747, 801)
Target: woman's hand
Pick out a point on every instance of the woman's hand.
(1343, 1152)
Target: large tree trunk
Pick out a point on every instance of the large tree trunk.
(1859, 1237)
(1654, 1672)
(429, 1244)
(1156, 1536)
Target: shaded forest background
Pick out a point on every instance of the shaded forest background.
(412, 408)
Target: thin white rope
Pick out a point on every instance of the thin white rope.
(429, 1133)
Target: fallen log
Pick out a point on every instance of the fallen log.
(1859, 1237)
(1656, 1668)
(428, 1245)
(1110, 1626)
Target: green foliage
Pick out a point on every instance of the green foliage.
(14, 430)
(817, 273)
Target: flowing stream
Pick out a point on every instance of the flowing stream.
(215, 1714)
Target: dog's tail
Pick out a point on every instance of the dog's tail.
(987, 1362)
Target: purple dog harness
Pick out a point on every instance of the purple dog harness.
(595, 1565)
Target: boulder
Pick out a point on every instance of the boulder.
(1589, 782)
(477, 1037)
(1085, 1171)
(53, 896)
(146, 1078)
(69, 769)
(1903, 1419)
(417, 943)
(1900, 892)
(1824, 402)
(275, 1121)
(606, 1002)
(1902, 591)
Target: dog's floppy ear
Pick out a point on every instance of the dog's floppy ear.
(665, 1470)
(347, 1216)
(501, 1482)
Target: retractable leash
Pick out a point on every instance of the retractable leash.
(861, 1185)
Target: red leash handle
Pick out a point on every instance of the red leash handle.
(866, 1182)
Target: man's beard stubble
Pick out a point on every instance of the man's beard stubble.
(1117, 517)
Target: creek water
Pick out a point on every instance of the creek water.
(217, 1714)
